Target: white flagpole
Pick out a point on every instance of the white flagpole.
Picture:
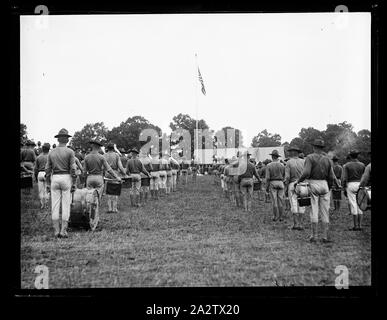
(197, 106)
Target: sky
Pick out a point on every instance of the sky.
(279, 72)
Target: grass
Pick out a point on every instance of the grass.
(191, 238)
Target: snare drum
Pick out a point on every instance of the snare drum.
(257, 185)
(363, 198)
(336, 194)
(113, 188)
(145, 182)
(127, 184)
(303, 194)
(25, 180)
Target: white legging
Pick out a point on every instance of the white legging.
(163, 180)
(61, 193)
(43, 195)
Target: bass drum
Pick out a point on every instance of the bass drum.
(363, 198)
(84, 211)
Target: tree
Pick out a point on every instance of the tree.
(363, 144)
(308, 135)
(89, 132)
(266, 139)
(23, 133)
(186, 122)
(127, 134)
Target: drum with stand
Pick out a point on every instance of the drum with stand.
(84, 210)
(363, 198)
(303, 194)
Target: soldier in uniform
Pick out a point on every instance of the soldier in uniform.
(60, 175)
(40, 175)
(134, 167)
(155, 177)
(275, 175)
(147, 163)
(293, 171)
(319, 173)
(352, 174)
(338, 172)
(114, 161)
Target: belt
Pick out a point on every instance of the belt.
(42, 170)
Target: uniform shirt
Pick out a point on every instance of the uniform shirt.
(338, 171)
(60, 160)
(147, 163)
(79, 156)
(250, 172)
(27, 155)
(114, 161)
(155, 164)
(40, 164)
(317, 167)
(366, 178)
(185, 164)
(124, 161)
(164, 164)
(293, 169)
(262, 172)
(353, 171)
(275, 171)
(135, 166)
(95, 164)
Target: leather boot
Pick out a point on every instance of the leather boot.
(63, 231)
(55, 223)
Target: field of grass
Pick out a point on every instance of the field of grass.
(192, 237)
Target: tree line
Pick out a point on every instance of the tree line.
(339, 138)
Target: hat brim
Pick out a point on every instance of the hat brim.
(62, 135)
(274, 154)
(96, 143)
(294, 149)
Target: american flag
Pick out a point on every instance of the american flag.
(201, 81)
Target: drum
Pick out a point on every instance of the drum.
(303, 194)
(257, 185)
(336, 194)
(25, 180)
(84, 210)
(363, 198)
(113, 188)
(127, 184)
(145, 182)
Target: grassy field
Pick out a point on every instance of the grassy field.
(191, 238)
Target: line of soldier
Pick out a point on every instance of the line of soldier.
(279, 178)
(61, 170)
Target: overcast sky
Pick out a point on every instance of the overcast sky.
(279, 72)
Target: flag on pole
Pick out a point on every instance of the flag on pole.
(201, 81)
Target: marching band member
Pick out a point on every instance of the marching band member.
(175, 167)
(147, 163)
(318, 171)
(338, 172)
(40, 175)
(124, 158)
(352, 174)
(366, 177)
(169, 173)
(61, 165)
(114, 161)
(27, 159)
(163, 175)
(184, 170)
(235, 187)
(78, 168)
(94, 166)
(134, 168)
(155, 177)
(275, 174)
(293, 171)
(194, 167)
(247, 184)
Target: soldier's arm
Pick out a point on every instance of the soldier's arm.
(307, 169)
